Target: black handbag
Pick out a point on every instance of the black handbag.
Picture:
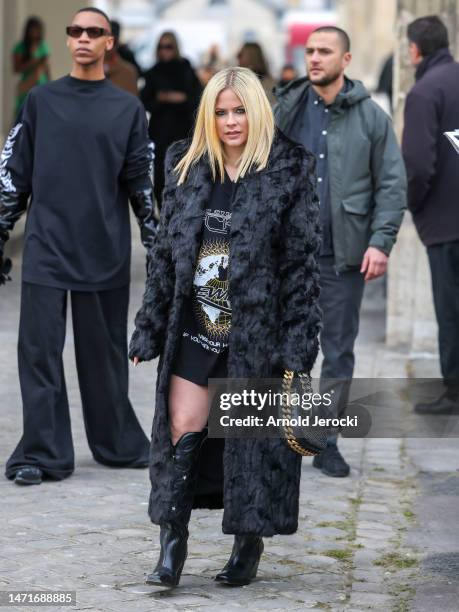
(306, 441)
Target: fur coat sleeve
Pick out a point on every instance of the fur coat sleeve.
(299, 270)
(151, 320)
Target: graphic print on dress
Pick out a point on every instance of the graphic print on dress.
(218, 221)
(210, 286)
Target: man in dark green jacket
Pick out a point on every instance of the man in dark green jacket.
(361, 184)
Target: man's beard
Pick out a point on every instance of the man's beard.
(328, 79)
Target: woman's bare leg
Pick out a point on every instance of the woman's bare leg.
(187, 415)
(188, 407)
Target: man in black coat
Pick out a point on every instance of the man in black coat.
(432, 108)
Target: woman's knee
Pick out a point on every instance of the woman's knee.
(188, 408)
(181, 424)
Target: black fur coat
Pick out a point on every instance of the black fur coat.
(273, 290)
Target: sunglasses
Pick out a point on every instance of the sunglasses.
(92, 31)
(167, 47)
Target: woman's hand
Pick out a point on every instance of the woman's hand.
(136, 361)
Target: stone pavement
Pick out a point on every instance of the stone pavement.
(386, 538)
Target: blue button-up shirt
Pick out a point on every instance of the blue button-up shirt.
(310, 129)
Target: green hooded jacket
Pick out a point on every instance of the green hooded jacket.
(366, 170)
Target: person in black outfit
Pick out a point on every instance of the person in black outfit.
(386, 78)
(432, 108)
(171, 94)
(233, 293)
(79, 149)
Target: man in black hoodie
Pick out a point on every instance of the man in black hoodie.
(432, 108)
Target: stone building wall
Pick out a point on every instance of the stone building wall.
(371, 27)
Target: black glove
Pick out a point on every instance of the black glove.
(12, 206)
(143, 207)
(5, 269)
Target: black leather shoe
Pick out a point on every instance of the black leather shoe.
(447, 403)
(174, 528)
(28, 475)
(243, 563)
(331, 462)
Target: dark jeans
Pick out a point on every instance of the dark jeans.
(444, 268)
(340, 300)
(114, 434)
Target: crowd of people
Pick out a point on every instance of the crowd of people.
(170, 90)
(272, 221)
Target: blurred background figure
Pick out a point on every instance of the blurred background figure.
(30, 59)
(288, 73)
(124, 50)
(171, 94)
(121, 73)
(385, 79)
(211, 63)
(251, 56)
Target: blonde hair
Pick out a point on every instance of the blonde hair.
(248, 89)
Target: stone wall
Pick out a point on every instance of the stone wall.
(370, 25)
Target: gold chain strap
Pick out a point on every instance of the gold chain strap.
(287, 411)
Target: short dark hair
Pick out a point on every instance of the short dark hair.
(92, 9)
(342, 35)
(429, 33)
(116, 31)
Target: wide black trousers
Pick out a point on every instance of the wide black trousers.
(114, 434)
(444, 268)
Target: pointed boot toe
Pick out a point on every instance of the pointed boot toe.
(162, 578)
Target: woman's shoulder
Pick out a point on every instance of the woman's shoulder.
(176, 151)
(43, 49)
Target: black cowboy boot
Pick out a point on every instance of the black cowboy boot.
(243, 564)
(174, 530)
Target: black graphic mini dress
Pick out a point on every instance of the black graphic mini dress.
(206, 319)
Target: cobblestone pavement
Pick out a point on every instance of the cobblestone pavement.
(372, 541)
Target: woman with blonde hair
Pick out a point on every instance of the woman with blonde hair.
(231, 292)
